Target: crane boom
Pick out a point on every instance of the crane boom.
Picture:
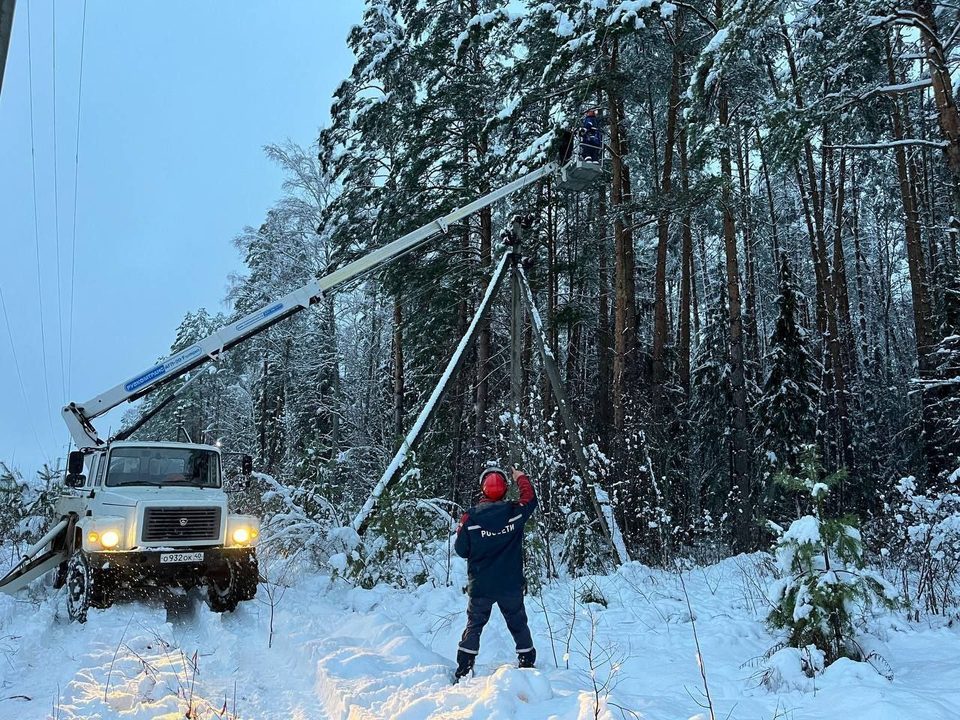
(79, 417)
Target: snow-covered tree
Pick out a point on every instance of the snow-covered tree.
(824, 578)
(787, 409)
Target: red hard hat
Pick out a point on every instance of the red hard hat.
(493, 484)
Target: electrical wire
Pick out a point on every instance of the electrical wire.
(56, 207)
(36, 227)
(23, 389)
(76, 175)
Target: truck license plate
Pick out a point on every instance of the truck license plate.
(181, 557)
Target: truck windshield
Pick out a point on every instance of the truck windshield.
(163, 466)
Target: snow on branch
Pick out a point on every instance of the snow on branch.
(941, 144)
(903, 17)
(894, 89)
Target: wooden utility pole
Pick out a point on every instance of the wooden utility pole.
(409, 443)
(597, 497)
(516, 339)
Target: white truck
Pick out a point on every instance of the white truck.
(156, 513)
(152, 513)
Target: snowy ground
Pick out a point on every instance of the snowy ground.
(340, 652)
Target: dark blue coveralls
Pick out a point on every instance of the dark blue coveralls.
(591, 138)
(490, 537)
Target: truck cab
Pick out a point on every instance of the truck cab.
(155, 513)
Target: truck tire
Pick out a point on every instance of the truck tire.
(86, 587)
(238, 582)
(78, 587)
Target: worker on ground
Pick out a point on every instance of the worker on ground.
(490, 537)
(591, 137)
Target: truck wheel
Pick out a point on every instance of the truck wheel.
(249, 577)
(79, 586)
(104, 589)
(86, 587)
(235, 583)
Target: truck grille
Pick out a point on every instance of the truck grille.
(161, 524)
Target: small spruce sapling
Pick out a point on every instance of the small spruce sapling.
(824, 580)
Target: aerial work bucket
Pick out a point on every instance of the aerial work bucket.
(579, 174)
(582, 155)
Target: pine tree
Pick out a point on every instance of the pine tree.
(711, 413)
(786, 411)
(821, 560)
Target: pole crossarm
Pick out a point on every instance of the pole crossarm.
(598, 496)
(79, 417)
(361, 521)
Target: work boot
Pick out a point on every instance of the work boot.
(465, 662)
(527, 658)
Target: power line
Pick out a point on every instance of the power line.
(23, 390)
(56, 207)
(36, 226)
(76, 174)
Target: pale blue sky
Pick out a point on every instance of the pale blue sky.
(178, 99)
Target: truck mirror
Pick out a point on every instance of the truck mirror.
(75, 463)
(246, 465)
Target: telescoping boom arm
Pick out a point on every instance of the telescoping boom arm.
(79, 417)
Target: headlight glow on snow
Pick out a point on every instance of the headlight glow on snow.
(110, 539)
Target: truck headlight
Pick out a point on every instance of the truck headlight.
(242, 530)
(110, 539)
(241, 536)
(105, 533)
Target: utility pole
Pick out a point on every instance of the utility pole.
(513, 237)
(6, 29)
(597, 497)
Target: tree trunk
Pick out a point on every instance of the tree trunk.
(838, 307)
(915, 259)
(686, 274)
(660, 325)
(811, 196)
(604, 418)
(398, 376)
(771, 205)
(740, 443)
(752, 346)
(483, 337)
(334, 370)
(948, 117)
(859, 264)
(624, 281)
(552, 283)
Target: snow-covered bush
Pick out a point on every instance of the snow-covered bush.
(824, 579)
(792, 668)
(295, 519)
(928, 535)
(27, 504)
(563, 536)
(403, 540)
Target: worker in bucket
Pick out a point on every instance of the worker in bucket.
(591, 137)
(490, 537)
